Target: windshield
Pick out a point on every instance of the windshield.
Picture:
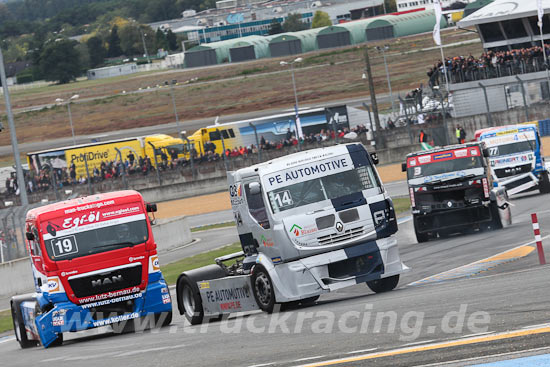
(437, 168)
(519, 147)
(323, 188)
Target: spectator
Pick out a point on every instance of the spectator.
(462, 135)
(458, 133)
(422, 138)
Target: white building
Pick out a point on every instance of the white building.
(404, 5)
(111, 71)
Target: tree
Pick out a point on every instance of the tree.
(60, 61)
(275, 27)
(293, 23)
(320, 19)
(160, 40)
(113, 41)
(96, 50)
(172, 40)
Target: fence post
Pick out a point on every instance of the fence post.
(489, 117)
(257, 141)
(538, 240)
(90, 188)
(223, 147)
(524, 98)
(157, 168)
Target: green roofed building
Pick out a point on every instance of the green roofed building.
(249, 48)
(344, 34)
(209, 53)
(293, 43)
(392, 26)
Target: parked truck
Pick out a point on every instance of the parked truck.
(515, 155)
(94, 263)
(309, 223)
(451, 190)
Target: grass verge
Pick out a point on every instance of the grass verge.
(213, 226)
(173, 270)
(401, 205)
(5, 321)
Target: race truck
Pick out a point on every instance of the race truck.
(515, 157)
(94, 263)
(309, 223)
(451, 190)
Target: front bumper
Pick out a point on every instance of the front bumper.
(67, 316)
(452, 218)
(318, 274)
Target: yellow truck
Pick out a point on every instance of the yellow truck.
(94, 153)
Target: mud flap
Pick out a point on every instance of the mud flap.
(227, 295)
(44, 328)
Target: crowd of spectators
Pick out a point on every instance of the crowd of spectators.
(491, 64)
(49, 176)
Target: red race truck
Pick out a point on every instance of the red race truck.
(94, 262)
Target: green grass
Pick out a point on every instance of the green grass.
(5, 321)
(401, 205)
(213, 226)
(173, 270)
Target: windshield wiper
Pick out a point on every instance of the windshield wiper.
(120, 244)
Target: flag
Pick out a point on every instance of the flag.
(437, 33)
(540, 12)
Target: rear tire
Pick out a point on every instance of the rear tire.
(544, 183)
(420, 237)
(57, 342)
(164, 317)
(19, 326)
(262, 288)
(191, 301)
(384, 284)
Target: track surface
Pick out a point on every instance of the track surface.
(512, 299)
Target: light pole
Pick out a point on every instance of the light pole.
(172, 83)
(13, 135)
(68, 103)
(191, 149)
(144, 45)
(383, 50)
(296, 108)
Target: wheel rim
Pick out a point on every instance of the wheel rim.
(263, 289)
(188, 301)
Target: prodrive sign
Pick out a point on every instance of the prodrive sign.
(307, 172)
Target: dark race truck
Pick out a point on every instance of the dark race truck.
(94, 262)
(451, 190)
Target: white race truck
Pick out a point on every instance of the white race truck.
(309, 223)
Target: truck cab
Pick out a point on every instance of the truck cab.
(310, 223)
(451, 191)
(94, 263)
(515, 157)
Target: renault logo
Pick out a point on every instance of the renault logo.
(339, 226)
(449, 204)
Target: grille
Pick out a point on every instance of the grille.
(512, 171)
(340, 237)
(106, 282)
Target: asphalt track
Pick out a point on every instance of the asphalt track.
(487, 315)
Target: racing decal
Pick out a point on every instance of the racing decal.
(76, 220)
(295, 229)
(154, 266)
(112, 320)
(236, 194)
(443, 156)
(58, 317)
(166, 298)
(267, 242)
(54, 285)
(112, 300)
(276, 260)
(302, 231)
(204, 285)
(307, 172)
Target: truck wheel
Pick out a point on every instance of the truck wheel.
(19, 326)
(496, 222)
(544, 183)
(190, 299)
(384, 284)
(164, 317)
(57, 342)
(421, 237)
(262, 287)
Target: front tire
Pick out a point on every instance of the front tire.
(19, 326)
(384, 284)
(262, 288)
(544, 183)
(191, 301)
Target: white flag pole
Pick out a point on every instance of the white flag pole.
(437, 38)
(540, 11)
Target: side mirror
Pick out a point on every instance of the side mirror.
(254, 188)
(486, 153)
(30, 236)
(403, 167)
(374, 158)
(151, 207)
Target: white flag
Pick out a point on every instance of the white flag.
(437, 33)
(540, 12)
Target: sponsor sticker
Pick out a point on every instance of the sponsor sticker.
(276, 260)
(462, 153)
(155, 263)
(204, 285)
(54, 285)
(425, 159)
(443, 156)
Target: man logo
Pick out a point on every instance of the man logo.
(107, 281)
(339, 226)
